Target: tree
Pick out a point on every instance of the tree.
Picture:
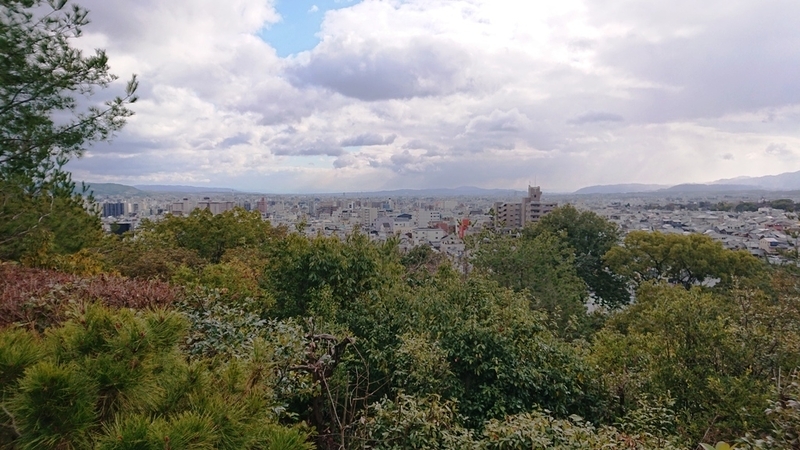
(590, 236)
(687, 260)
(47, 116)
(543, 265)
(709, 354)
(117, 379)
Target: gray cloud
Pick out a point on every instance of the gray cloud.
(733, 56)
(316, 147)
(416, 144)
(368, 139)
(480, 145)
(498, 121)
(345, 160)
(426, 66)
(778, 149)
(241, 138)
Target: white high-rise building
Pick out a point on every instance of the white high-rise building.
(517, 215)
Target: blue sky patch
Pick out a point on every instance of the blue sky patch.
(299, 25)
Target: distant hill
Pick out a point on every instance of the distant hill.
(692, 187)
(788, 181)
(471, 191)
(112, 189)
(620, 188)
(184, 189)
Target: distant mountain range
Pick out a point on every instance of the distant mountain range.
(789, 181)
(471, 191)
(620, 188)
(113, 189)
(184, 189)
(122, 190)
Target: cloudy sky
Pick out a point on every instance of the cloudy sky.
(335, 95)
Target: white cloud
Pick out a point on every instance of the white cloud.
(453, 92)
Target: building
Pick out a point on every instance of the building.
(181, 208)
(262, 205)
(511, 216)
(113, 209)
(368, 215)
(425, 217)
(215, 207)
(427, 235)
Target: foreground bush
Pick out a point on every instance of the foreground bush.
(117, 380)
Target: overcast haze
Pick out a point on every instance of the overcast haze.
(333, 96)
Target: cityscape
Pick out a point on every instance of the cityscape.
(442, 222)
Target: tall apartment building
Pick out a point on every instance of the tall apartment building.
(368, 215)
(509, 216)
(115, 209)
(262, 205)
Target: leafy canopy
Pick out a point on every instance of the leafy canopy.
(47, 116)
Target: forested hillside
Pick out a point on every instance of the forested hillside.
(226, 332)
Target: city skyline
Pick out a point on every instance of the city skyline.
(328, 96)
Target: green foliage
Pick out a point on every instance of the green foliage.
(37, 226)
(431, 423)
(219, 325)
(688, 260)
(238, 239)
(43, 83)
(18, 350)
(211, 235)
(590, 237)
(422, 263)
(54, 406)
(690, 345)
(746, 207)
(422, 365)
(321, 275)
(490, 351)
(413, 423)
(784, 415)
(544, 266)
(783, 203)
(118, 380)
(538, 430)
(150, 254)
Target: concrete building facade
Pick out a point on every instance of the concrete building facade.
(509, 216)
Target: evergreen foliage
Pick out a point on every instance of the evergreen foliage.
(44, 83)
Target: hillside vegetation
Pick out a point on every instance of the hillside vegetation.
(225, 332)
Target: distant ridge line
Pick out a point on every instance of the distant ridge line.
(788, 181)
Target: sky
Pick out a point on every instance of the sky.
(301, 96)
